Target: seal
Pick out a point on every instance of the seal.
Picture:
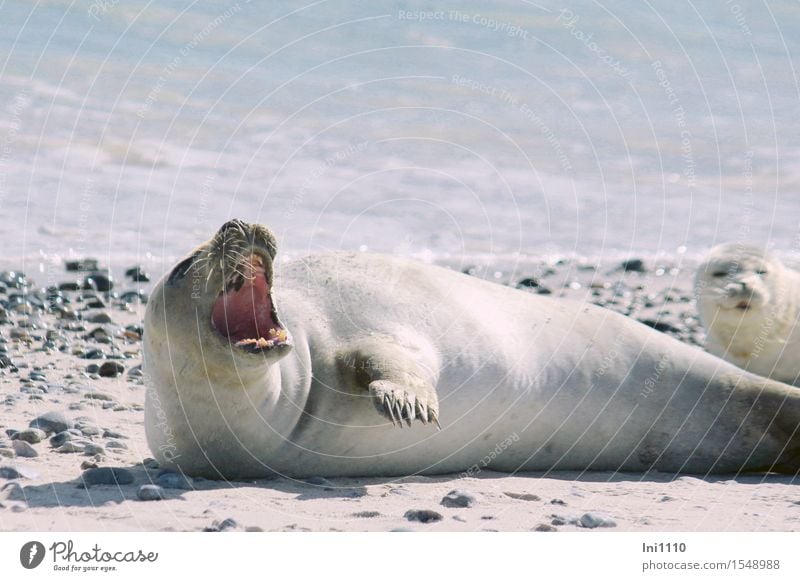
(368, 365)
(749, 304)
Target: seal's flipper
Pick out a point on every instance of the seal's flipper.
(405, 402)
(399, 378)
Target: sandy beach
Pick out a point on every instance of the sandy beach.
(72, 359)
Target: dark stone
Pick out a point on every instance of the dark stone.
(134, 297)
(111, 369)
(61, 438)
(544, 528)
(633, 265)
(542, 290)
(92, 368)
(98, 281)
(106, 475)
(528, 283)
(94, 354)
(69, 286)
(458, 499)
(51, 423)
(424, 516)
(85, 265)
(137, 274)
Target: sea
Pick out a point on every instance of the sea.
(466, 132)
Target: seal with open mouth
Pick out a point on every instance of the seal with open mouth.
(361, 364)
(749, 304)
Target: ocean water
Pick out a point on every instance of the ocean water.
(450, 131)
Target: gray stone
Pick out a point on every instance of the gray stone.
(150, 492)
(61, 438)
(545, 528)
(72, 447)
(458, 499)
(106, 475)
(116, 445)
(111, 369)
(592, 520)
(170, 479)
(423, 516)
(51, 422)
(24, 449)
(32, 435)
(92, 449)
(522, 496)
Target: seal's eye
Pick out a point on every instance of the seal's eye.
(720, 273)
(761, 272)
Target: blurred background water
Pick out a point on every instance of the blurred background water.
(450, 131)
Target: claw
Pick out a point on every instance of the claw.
(388, 406)
(422, 412)
(435, 419)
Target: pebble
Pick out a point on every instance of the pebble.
(424, 516)
(170, 479)
(94, 354)
(592, 520)
(116, 445)
(520, 496)
(366, 514)
(71, 447)
(83, 265)
(116, 435)
(107, 475)
(98, 395)
(220, 526)
(150, 492)
(88, 429)
(111, 369)
(93, 449)
(24, 449)
(51, 422)
(545, 528)
(101, 318)
(6, 453)
(633, 265)
(458, 499)
(98, 281)
(31, 436)
(136, 274)
(60, 439)
(86, 465)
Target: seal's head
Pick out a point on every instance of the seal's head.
(737, 282)
(222, 295)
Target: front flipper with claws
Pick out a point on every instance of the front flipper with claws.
(399, 380)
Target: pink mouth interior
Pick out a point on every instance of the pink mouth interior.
(245, 315)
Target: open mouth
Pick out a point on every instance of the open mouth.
(244, 312)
